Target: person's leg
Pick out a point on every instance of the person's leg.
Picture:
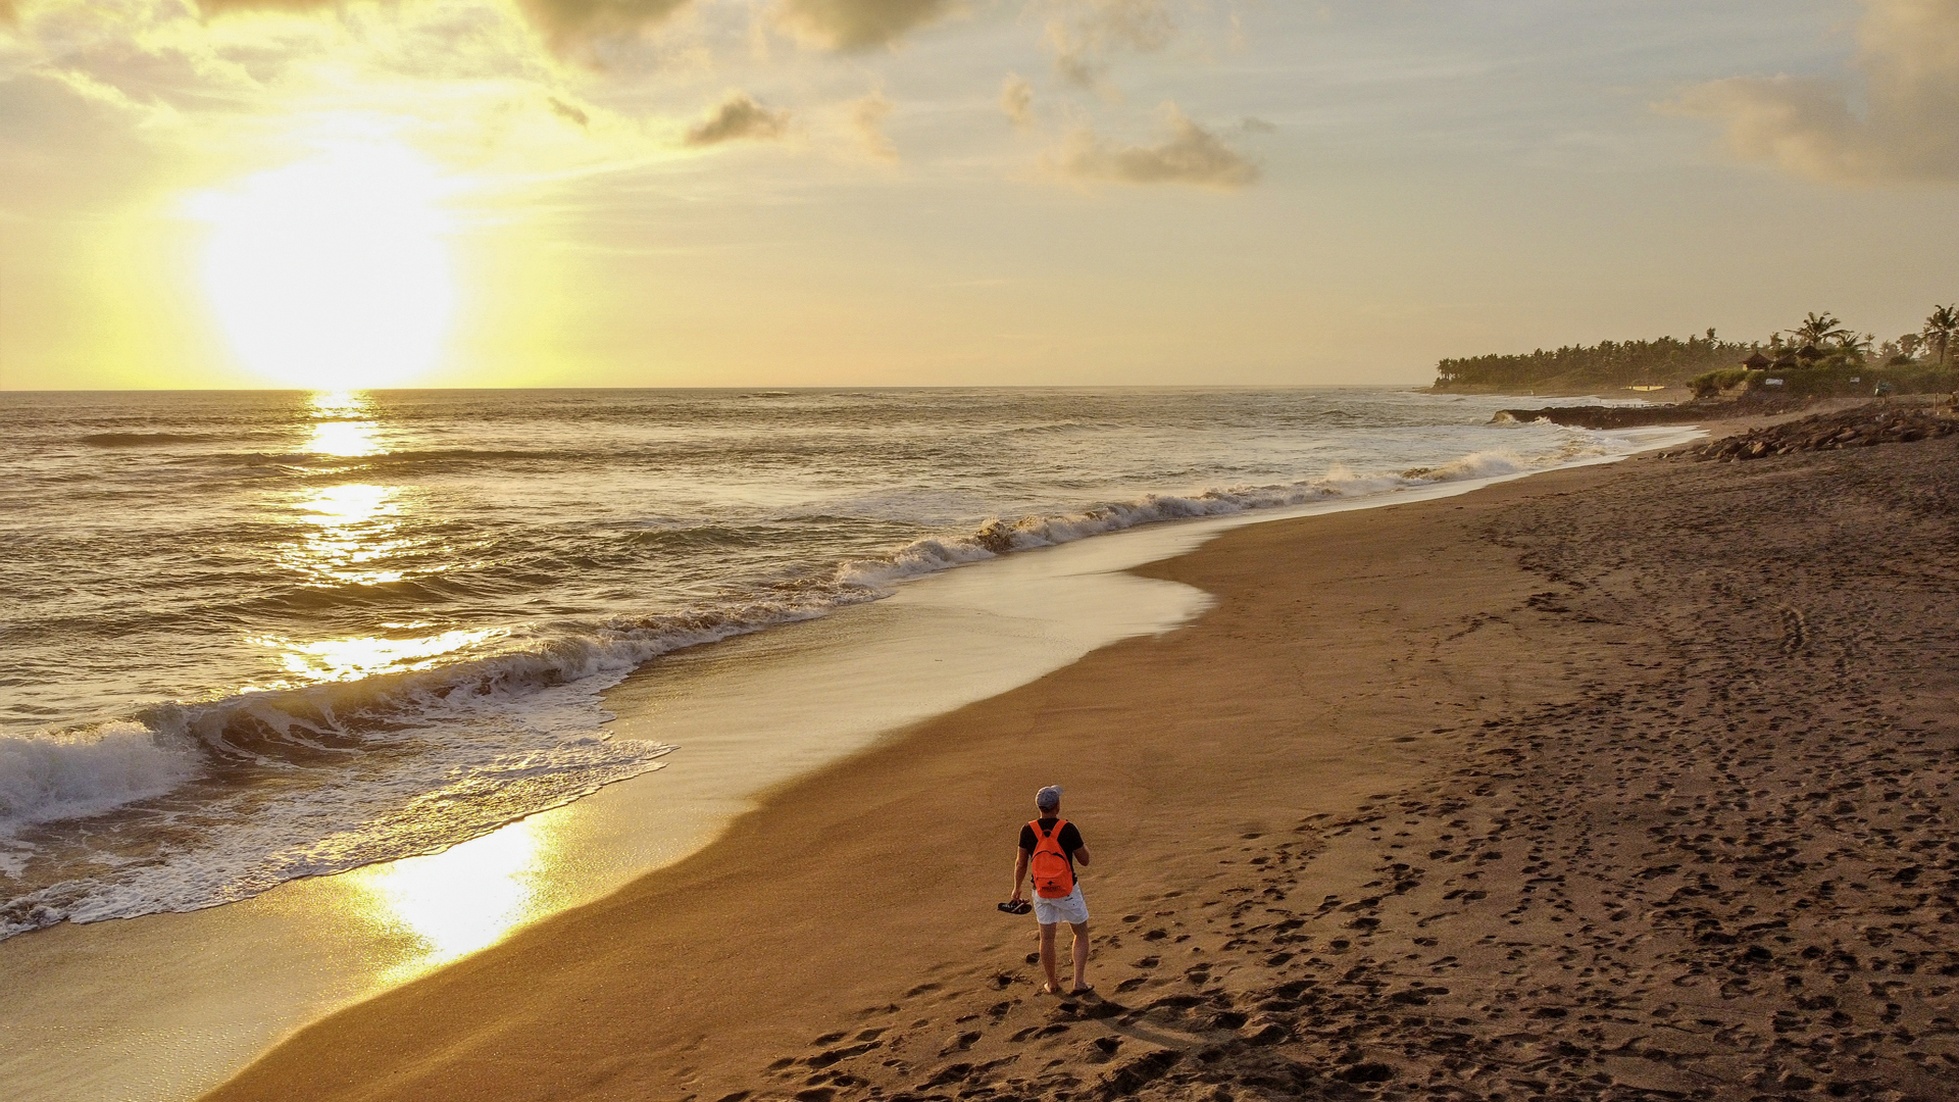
(1081, 954)
(1047, 957)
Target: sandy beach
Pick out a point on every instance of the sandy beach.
(1619, 782)
(548, 546)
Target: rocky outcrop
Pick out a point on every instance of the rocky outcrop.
(1861, 427)
(1628, 417)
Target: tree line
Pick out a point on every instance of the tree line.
(1670, 361)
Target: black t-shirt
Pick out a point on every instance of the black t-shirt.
(1071, 840)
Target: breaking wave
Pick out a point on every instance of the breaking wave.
(194, 803)
(1000, 536)
(46, 778)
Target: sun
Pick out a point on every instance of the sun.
(333, 273)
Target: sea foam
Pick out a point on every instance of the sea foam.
(638, 524)
(1000, 536)
(65, 775)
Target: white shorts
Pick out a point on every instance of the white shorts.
(1069, 908)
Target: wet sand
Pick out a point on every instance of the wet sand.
(222, 984)
(1620, 782)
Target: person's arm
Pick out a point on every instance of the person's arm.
(1079, 854)
(1020, 871)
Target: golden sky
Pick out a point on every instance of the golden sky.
(332, 193)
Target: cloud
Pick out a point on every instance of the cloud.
(225, 7)
(1898, 119)
(737, 118)
(570, 112)
(1082, 42)
(1190, 155)
(1017, 100)
(565, 24)
(857, 24)
(867, 117)
(570, 23)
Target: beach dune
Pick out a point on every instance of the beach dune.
(1616, 782)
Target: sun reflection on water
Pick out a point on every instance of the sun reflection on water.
(442, 905)
(343, 439)
(460, 900)
(337, 401)
(351, 534)
(354, 531)
(349, 657)
(343, 424)
(353, 528)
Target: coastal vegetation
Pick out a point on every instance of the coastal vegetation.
(1819, 355)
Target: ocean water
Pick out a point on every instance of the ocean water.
(247, 637)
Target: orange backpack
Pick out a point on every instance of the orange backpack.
(1054, 874)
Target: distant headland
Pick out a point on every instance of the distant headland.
(1818, 357)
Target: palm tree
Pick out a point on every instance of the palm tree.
(1939, 329)
(1817, 328)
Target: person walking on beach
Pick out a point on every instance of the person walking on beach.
(1050, 846)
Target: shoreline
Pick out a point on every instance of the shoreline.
(707, 945)
(224, 983)
(1212, 773)
(422, 899)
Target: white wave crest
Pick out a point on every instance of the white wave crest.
(472, 744)
(1001, 536)
(64, 775)
(1493, 464)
